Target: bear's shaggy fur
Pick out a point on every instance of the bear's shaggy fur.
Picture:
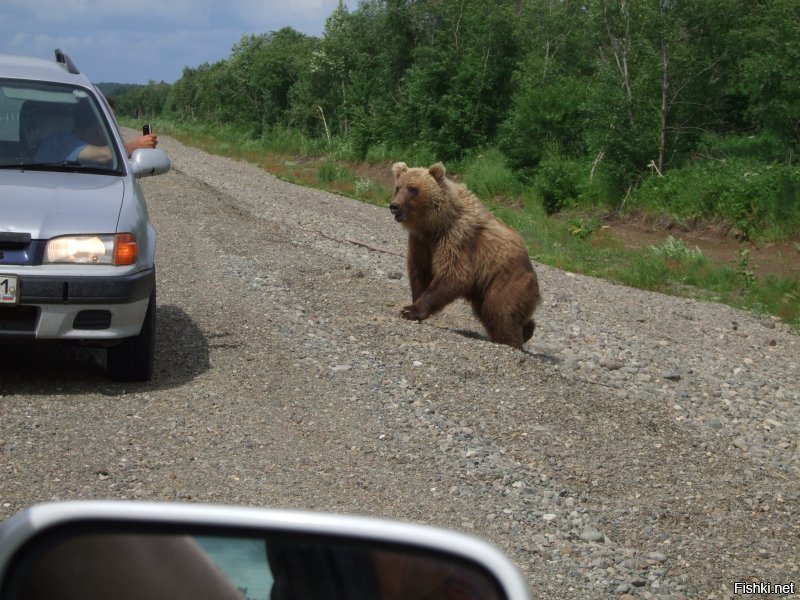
(458, 249)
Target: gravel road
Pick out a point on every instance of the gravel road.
(643, 446)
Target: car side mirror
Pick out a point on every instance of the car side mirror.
(127, 550)
(146, 162)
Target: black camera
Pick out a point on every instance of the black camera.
(147, 129)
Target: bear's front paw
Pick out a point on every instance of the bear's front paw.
(411, 313)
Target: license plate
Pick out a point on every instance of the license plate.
(9, 290)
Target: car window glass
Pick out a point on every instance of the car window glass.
(42, 123)
(9, 114)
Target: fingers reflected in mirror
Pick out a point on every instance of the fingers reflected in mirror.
(128, 566)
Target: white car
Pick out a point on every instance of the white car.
(77, 248)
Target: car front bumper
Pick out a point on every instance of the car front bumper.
(78, 308)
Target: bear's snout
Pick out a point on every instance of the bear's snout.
(400, 215)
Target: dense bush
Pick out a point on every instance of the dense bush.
(755, 197)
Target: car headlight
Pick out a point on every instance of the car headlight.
(119, 249)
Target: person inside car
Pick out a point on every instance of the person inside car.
(85, 144)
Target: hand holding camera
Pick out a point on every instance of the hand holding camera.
(148, 139)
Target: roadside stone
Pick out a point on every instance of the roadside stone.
(611, 364)
(548, 517)
(592, 535)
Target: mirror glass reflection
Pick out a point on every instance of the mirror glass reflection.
(125, 566)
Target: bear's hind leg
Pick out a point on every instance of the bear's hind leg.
(502, 328)
(507, 317)
(509, 334)
(527, 330)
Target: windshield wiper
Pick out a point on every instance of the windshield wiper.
(66, 165)
(43, 165)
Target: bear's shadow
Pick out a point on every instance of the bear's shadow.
(474, 335)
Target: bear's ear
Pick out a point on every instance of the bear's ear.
(437, 171)
(399, 168)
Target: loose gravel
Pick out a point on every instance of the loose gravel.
(643, 446)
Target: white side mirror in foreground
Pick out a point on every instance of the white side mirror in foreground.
(139, 550)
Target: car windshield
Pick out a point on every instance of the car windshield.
(50, 126)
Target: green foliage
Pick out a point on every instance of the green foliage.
(283, 140)
(489, 178)
(764, 147)
(559, 181)
(586, 99)
(744, 272)
(582, 228)
(540, 119)
(263, 70)
(676, 250)
(551, 82)
(422, 153)
(456, 89)
(379, 153)
(769, 68)
(753, 196)
(646, 271)
(329, 172)
(140, 101)
(363, 187)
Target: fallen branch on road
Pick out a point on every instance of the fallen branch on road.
(354, 242)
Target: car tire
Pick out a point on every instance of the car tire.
(132, 358)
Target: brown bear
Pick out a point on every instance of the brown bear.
(458, 249)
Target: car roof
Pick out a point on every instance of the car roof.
(39, 69)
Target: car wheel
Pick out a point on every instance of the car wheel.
(132, 358)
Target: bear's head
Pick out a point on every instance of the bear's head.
(419, 195)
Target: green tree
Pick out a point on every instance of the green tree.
(180, 102)
(263, 69)
(354, 74)
(694, 63)
(142, 101)
(456, 91)
(769, 67)
(548, 108)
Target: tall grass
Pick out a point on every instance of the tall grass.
(762, 201)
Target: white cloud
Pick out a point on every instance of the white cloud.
(134, 41)
(66, 10)
(307, 16)
(255, 13)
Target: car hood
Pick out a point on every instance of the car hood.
(47, 204)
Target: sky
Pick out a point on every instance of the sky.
(137, 41)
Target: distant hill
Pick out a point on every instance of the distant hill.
(114, 89)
